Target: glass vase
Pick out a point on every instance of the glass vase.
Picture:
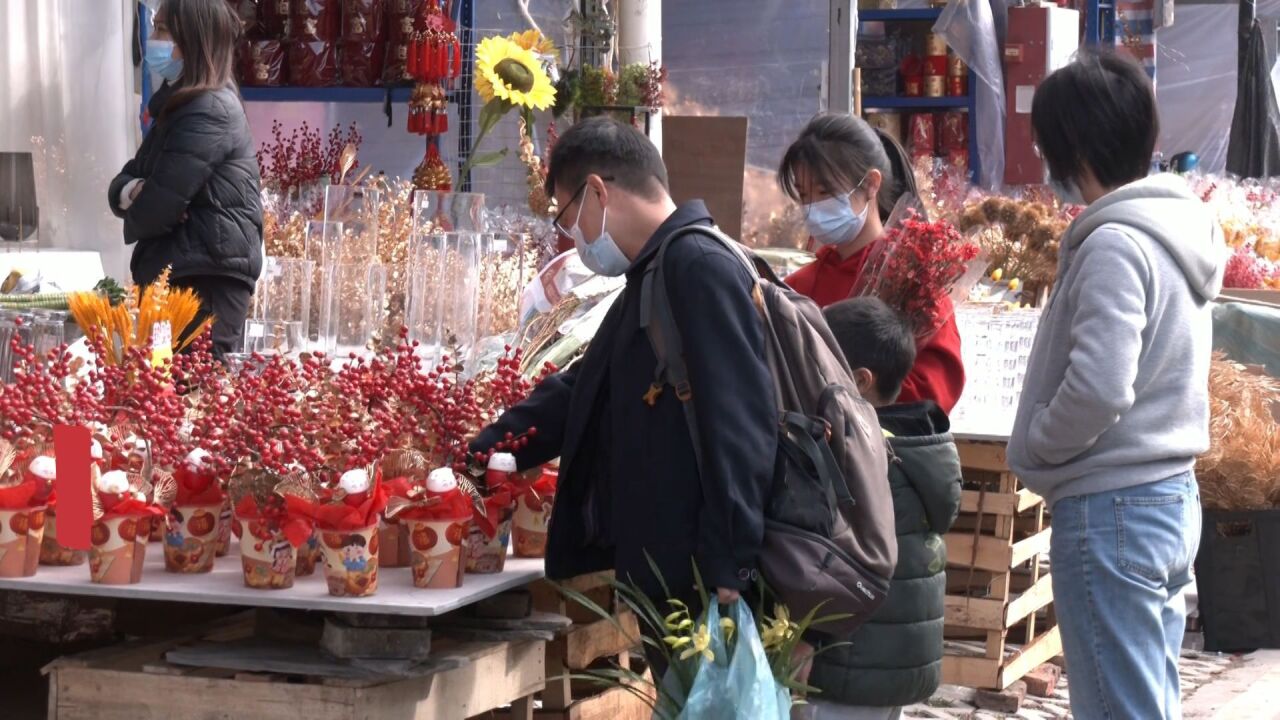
(442, 291)
(437, 211)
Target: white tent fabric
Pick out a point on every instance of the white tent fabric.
(66, 91)
(1197, 80)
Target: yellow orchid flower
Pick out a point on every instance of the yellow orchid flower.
(778, 630)
(728, 627)
(676, 642)
(701, 645)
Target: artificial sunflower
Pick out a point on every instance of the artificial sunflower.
(509, 72)
(537, 43)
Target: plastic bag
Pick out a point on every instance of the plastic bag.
(738, 684)
(972, 29)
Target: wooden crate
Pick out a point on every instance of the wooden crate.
(998, 589)
(587, 644)
(132, 681)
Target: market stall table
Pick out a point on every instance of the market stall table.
(225, 586)
(460, 679)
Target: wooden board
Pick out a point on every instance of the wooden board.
(706, 159)
(225, 586)
(585, 644)
(113, 686)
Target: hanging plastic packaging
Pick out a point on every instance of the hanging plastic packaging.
(970, 30)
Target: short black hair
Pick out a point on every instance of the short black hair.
(1098, 112)
(606, 147)
(353, 539)
(874, 336)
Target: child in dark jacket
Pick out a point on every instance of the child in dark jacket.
(895, 659)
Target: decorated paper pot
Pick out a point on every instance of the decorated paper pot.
(225, 520)
(529, 526)
(20, 535)
(438, 550)
(269, 562)
(487, 555)
(351, 561)
(51, 551)
(308, 556)
(119, 548)
(155, 531)
(393, 545)
(191, 538)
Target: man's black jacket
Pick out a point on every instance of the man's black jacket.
(629, 481)
(200, 209)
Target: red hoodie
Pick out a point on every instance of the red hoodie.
(938, 374)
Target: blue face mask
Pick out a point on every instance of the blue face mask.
(832, 221)
(602, 256)
(161, 60)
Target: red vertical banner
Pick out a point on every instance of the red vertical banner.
(71, 447)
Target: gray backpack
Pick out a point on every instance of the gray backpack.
(829, 530)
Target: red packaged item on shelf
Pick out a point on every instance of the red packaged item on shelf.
(935, 65)
(315, 20)
(273, 17)
(953, 132)
(958, 85)
(394, 69)
(958, 159)
(400, 15)
(364, 21)
(362, 63)
(922, 137)
(313, 64)
(912, 71)
(262, 63)
(249, 12)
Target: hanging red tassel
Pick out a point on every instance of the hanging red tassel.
(411, 58)
(457, 58)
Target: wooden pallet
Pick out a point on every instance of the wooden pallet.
(997, 585)
(133, 680)
(590, 642)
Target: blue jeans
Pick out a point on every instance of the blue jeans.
(1119, 562)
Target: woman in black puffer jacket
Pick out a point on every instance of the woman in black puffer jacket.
(190, 197)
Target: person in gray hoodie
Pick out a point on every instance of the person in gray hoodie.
(1114, 408)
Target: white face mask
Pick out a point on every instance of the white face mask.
(601, 256)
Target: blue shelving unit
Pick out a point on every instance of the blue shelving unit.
(1099, 22)
(915, 103)
(324, 94)
(928, 14)
(967, 102)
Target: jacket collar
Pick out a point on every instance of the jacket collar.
(159, 99)
(693, 212)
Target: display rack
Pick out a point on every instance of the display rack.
(998, 590)
(966, 102)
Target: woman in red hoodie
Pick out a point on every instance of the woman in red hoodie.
(839, 169)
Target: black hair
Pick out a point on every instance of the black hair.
(839, 150)
(353, 539)
(874, 336)
(1099, 113)
(611, 149)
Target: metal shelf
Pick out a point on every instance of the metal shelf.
(923, 14)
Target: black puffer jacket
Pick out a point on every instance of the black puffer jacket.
(199, 209)
(896, 657)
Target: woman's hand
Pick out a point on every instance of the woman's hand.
(137, 188)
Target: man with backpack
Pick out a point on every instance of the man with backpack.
(629, 482)
(712, 419)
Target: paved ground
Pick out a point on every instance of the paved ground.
(1214, 687)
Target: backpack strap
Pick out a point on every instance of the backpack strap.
(658, 322)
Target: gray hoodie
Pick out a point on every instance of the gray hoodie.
(1116, 390)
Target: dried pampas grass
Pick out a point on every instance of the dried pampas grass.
(1241, 471)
